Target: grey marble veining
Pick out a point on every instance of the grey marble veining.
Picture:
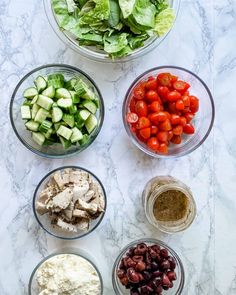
(203, 40)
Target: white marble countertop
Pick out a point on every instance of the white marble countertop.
(203, 40)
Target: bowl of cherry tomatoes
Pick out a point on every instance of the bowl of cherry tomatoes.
(168, 112)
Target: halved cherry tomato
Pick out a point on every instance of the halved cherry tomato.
(165, 126)
(181, 86)
(170, 134)
(176, 139)
(183, 121)
(186, 100)
(189, 116)
(189, 129)
(141, 108)
(139, 136)
(177, 130)
(143, 122)
(163, 148)
(145, 132)
(139, 93)
(175, 119)
(155, 106)
(154, 130)
(163, 92)
(152, 95)
(172, 107)
(194, 104)
(179, 105)
(173, 96)
(164, 79)
(132, 118)
(151, 84)
(153, 143)
(157, 117)
(162, 136)
(132, 105)
(174, 78)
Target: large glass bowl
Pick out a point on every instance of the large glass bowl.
(202, 122)
(33, 285)
(178, 284)
(45, 222)
(24, 135)
(94, 53)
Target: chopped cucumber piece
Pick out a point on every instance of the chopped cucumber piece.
(30, 92)
(27, 102)
(62, 93)
(65, 143)
(79, 124)
(84, 140)
(96, 100)
(83, 115)
(32, 126)
(91, 106)
(34, 100)
(49, 92)
(64, 102)
(73, 109)
(69, 120)
(48, 133)
(38, 137)
(75, 97)
(91, 123)
(34, 110)
(64, 132)
(45, 126)
(57, 125)
(41, 115)
(83, 90)
(76, 135)
(40, 83)
(45, 102)
(56, 80)
(25, 112)
(71, 83)
(57, 114)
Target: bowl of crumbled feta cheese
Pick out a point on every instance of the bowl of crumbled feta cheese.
(69, 202)
(66, 273)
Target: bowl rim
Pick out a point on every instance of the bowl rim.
(92, 55)
(154, 241)
(134, 140)
(66, 66)
(65, 251)
(48, 175)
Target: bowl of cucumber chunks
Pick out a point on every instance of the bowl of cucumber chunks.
(56, 110)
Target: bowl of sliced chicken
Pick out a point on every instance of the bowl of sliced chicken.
(69, 202)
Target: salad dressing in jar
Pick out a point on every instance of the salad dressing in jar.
(168, 204)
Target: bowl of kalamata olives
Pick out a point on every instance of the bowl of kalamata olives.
(148, 267)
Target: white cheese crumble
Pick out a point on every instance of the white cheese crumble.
(68, 274)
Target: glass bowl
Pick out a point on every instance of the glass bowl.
(96, 54)
(33, 285)
(178, 284)
(203, 121)
(45, 222)
(56, 150)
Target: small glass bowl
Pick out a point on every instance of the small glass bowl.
(24, 135)
(45, 222)
(178, 284)
(99, 55)
(153, 189)
(202, 122)
(33, 286)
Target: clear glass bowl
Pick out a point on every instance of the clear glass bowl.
(45, 222)
(99, 55)
(33, 285)
(202, 122)
(178, 284)
(24, 135)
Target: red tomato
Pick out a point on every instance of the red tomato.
(179, 105)
(132, 118)
(176, 139)
(163, 92)
(173, 96)
(175, 119)
(164, 79)
(189, 129)
(151, 84)
(162, 136)
(152, 95)
(181, 86)
(141, 108)
(168, 115)
(183, 121)
(140, 137)
(139, 93)
(155, 106)
(163, 148)
(186, 100)
(145, 132)
(189, 117)
(194, 104)
(170, 134)
(143, 122)
(178, 130)
(154, 130)
(132, 105)
(174, 78)
(172, 107)
(165, 126)
(153, 143)
(157, 117)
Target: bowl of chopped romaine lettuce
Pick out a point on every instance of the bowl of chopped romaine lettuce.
(112, 30)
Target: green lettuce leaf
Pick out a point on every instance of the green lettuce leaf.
(114, 17)
(115, 43)
(95, 11)
(164, 21)
(126, 7)
(144, 13)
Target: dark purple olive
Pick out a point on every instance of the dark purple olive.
(164, 253)
(140, 266)
(146, 289)
(147, 276)
(156, 248)
(159, 290)
(165, 265)
(130, 252)
(134, 292)
(124, 281)
(157, 282)
(171, 275)
(148, 258)
(140, 249)
(172, 262)
(132, 275)
(130, 262)
(165, 281)
(137, 258)
(154, 266)
(153, 254)
(120, 273)
(157, 274)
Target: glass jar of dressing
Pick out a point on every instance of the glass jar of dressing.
(168, 204)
